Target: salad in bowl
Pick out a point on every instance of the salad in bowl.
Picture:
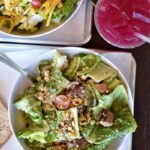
(27, 17)
(78, 103)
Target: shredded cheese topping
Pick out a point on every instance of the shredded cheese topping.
(25, 15)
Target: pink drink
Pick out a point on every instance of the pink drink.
(118, 20)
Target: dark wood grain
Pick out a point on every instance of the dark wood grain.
(141, 138)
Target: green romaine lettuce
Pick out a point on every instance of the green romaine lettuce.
(42, 64)
(57, 82)
(32, 135)
(53, 118)
(114, 84)
(88, 63)
(106, 101)
(31, 106)
(64, 11)
(91, 66)
(95, 91)
(74, 65)
(95, 147)
(123, 124)
(100, 72)
(113, 81)
(61, 116)
(91, 95)
(59, 61)
(90, 60)
(111, 78)
(52, 136)
(70, 115)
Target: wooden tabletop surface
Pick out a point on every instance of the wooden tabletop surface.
(141, 139)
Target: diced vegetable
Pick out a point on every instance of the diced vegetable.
(101, 72)
(32, 135)
(57, 82)
(73, 67)
(31, 106)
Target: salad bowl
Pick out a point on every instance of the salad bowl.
(37, 23)
(16, 117)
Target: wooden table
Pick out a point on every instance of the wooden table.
(141, 139)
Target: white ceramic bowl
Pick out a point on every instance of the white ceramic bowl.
(43, 30)
(21, 83)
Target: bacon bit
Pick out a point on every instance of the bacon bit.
(62, 102)
(82, 143)
(36, 3)
(77, 92)
(106, 118)
(59, 145)
(102, 88)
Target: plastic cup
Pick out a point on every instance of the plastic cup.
(103, 26)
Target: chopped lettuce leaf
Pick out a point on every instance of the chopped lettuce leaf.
(96, 147)
(53, 118)
(89, 96)
(35, 144)
(32, 135)
(64, 11)
(67, 117)
(86, 62)
(82, 63)
(116, 100)
(71, 117)
(106, 101)
(75, 116)
(40, 67)
(90, 62)
(68, 7)
(114, 84)
(123, 124)
(74, 65)
(96, 110)
(96, 92)
(31, 106)
(57, 82)
(111, 78)
(59, 61)
(92, 95)
(30, 91)
(52, 136)
(91, 66)
(101, 72)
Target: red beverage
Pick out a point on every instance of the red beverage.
(118, 20)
